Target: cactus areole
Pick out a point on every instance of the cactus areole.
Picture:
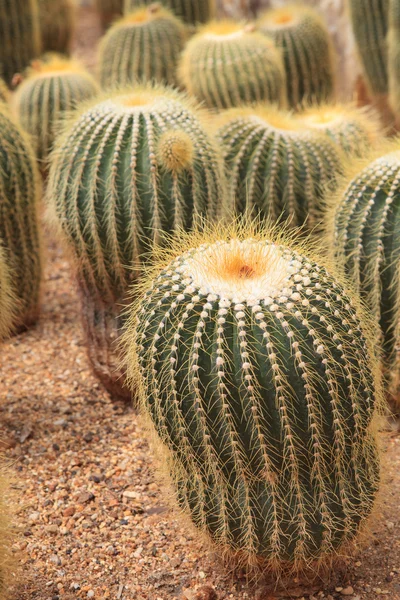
(258, 379)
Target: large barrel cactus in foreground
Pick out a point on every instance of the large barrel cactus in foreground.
(260, 382)
(128, 170)
(191, 11)
(19, 214)
(364, 227)
(7, 299)
(277, 167)
(52, 87)
(307, 51)
(19, 35)
(227, 64)
(57, 24)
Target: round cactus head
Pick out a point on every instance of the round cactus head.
(228, 64)
(307, 52)
(353, 129)
(144, 45)
(52, 86)
(277, 166)
(259, 379)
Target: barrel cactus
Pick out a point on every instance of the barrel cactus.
(145, 45)
(190, 11)
(5, 534)
(128, 170)
(307, 52)
(364, 226)
(277, 167)
(353, 129)
(19, 212)
(370, 25)
(7, 300)
(53, 86)
(109, 10)
(19, 35)
(227, 64)
(394, 56)
(261, 384)
(57, 23)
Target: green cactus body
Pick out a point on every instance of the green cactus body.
(277, 168)
(109, 10)
(190, 11)
(7, 300)
(353, 129)
(57, 22)
(259, 381)
(364, 227)
(19, 226)
(19, 35)
(370, 26)
(394, 56)
(127, 171)
(307, 52)
(53, 86)
(145, 46)
(228, 65)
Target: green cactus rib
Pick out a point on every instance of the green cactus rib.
(57, 23)
(278, 169)
(52, 87)
(19, 226)
(144, 45)
(370, 27)
(364, 226)
(190, 11)
(259, 380)
(7, 299)
(128, 170)
(227, 65)
(307, 52)
(19, 35)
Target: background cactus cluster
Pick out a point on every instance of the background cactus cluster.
(57, 23)
(190, 11)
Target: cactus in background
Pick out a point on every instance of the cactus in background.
(19, 226)
(261, 384)
(190, 11)
(5, 535)
(128, 170)
(277, 167)
(227, 64)
(19, 35)
(53, 86)
(364, 227)
(4, 92)
(394, 56)
(307, 51)
(370, 26)
(145, 45)
(57, 23)
(7, 304)
(353, 129)
(109, 10)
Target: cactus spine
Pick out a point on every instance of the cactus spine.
(57, 22)
(109, 10)
(277, 167)
(19, 35)
(353, 129)
(7, 301)
(260, 382)
(145, 45)
(364, 226)
(19, 227)
(190, 11)
(227, 65)
(307, 52)
(370, 26)
(53, 86)
(128, 170)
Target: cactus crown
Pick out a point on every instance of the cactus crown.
(53, 64)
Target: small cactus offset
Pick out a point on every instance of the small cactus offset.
(353, 129)
(53, 86)
(19, 226)
(364, 229)
(145, 45)
(307, 51)
(19, 35)
(7, 301)
(277, 167)
(227, 64)
(190, 11)
(394, 56)
(109, 10)
(127, 171)
(260, 382)
(370, 26)
(57, 23)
